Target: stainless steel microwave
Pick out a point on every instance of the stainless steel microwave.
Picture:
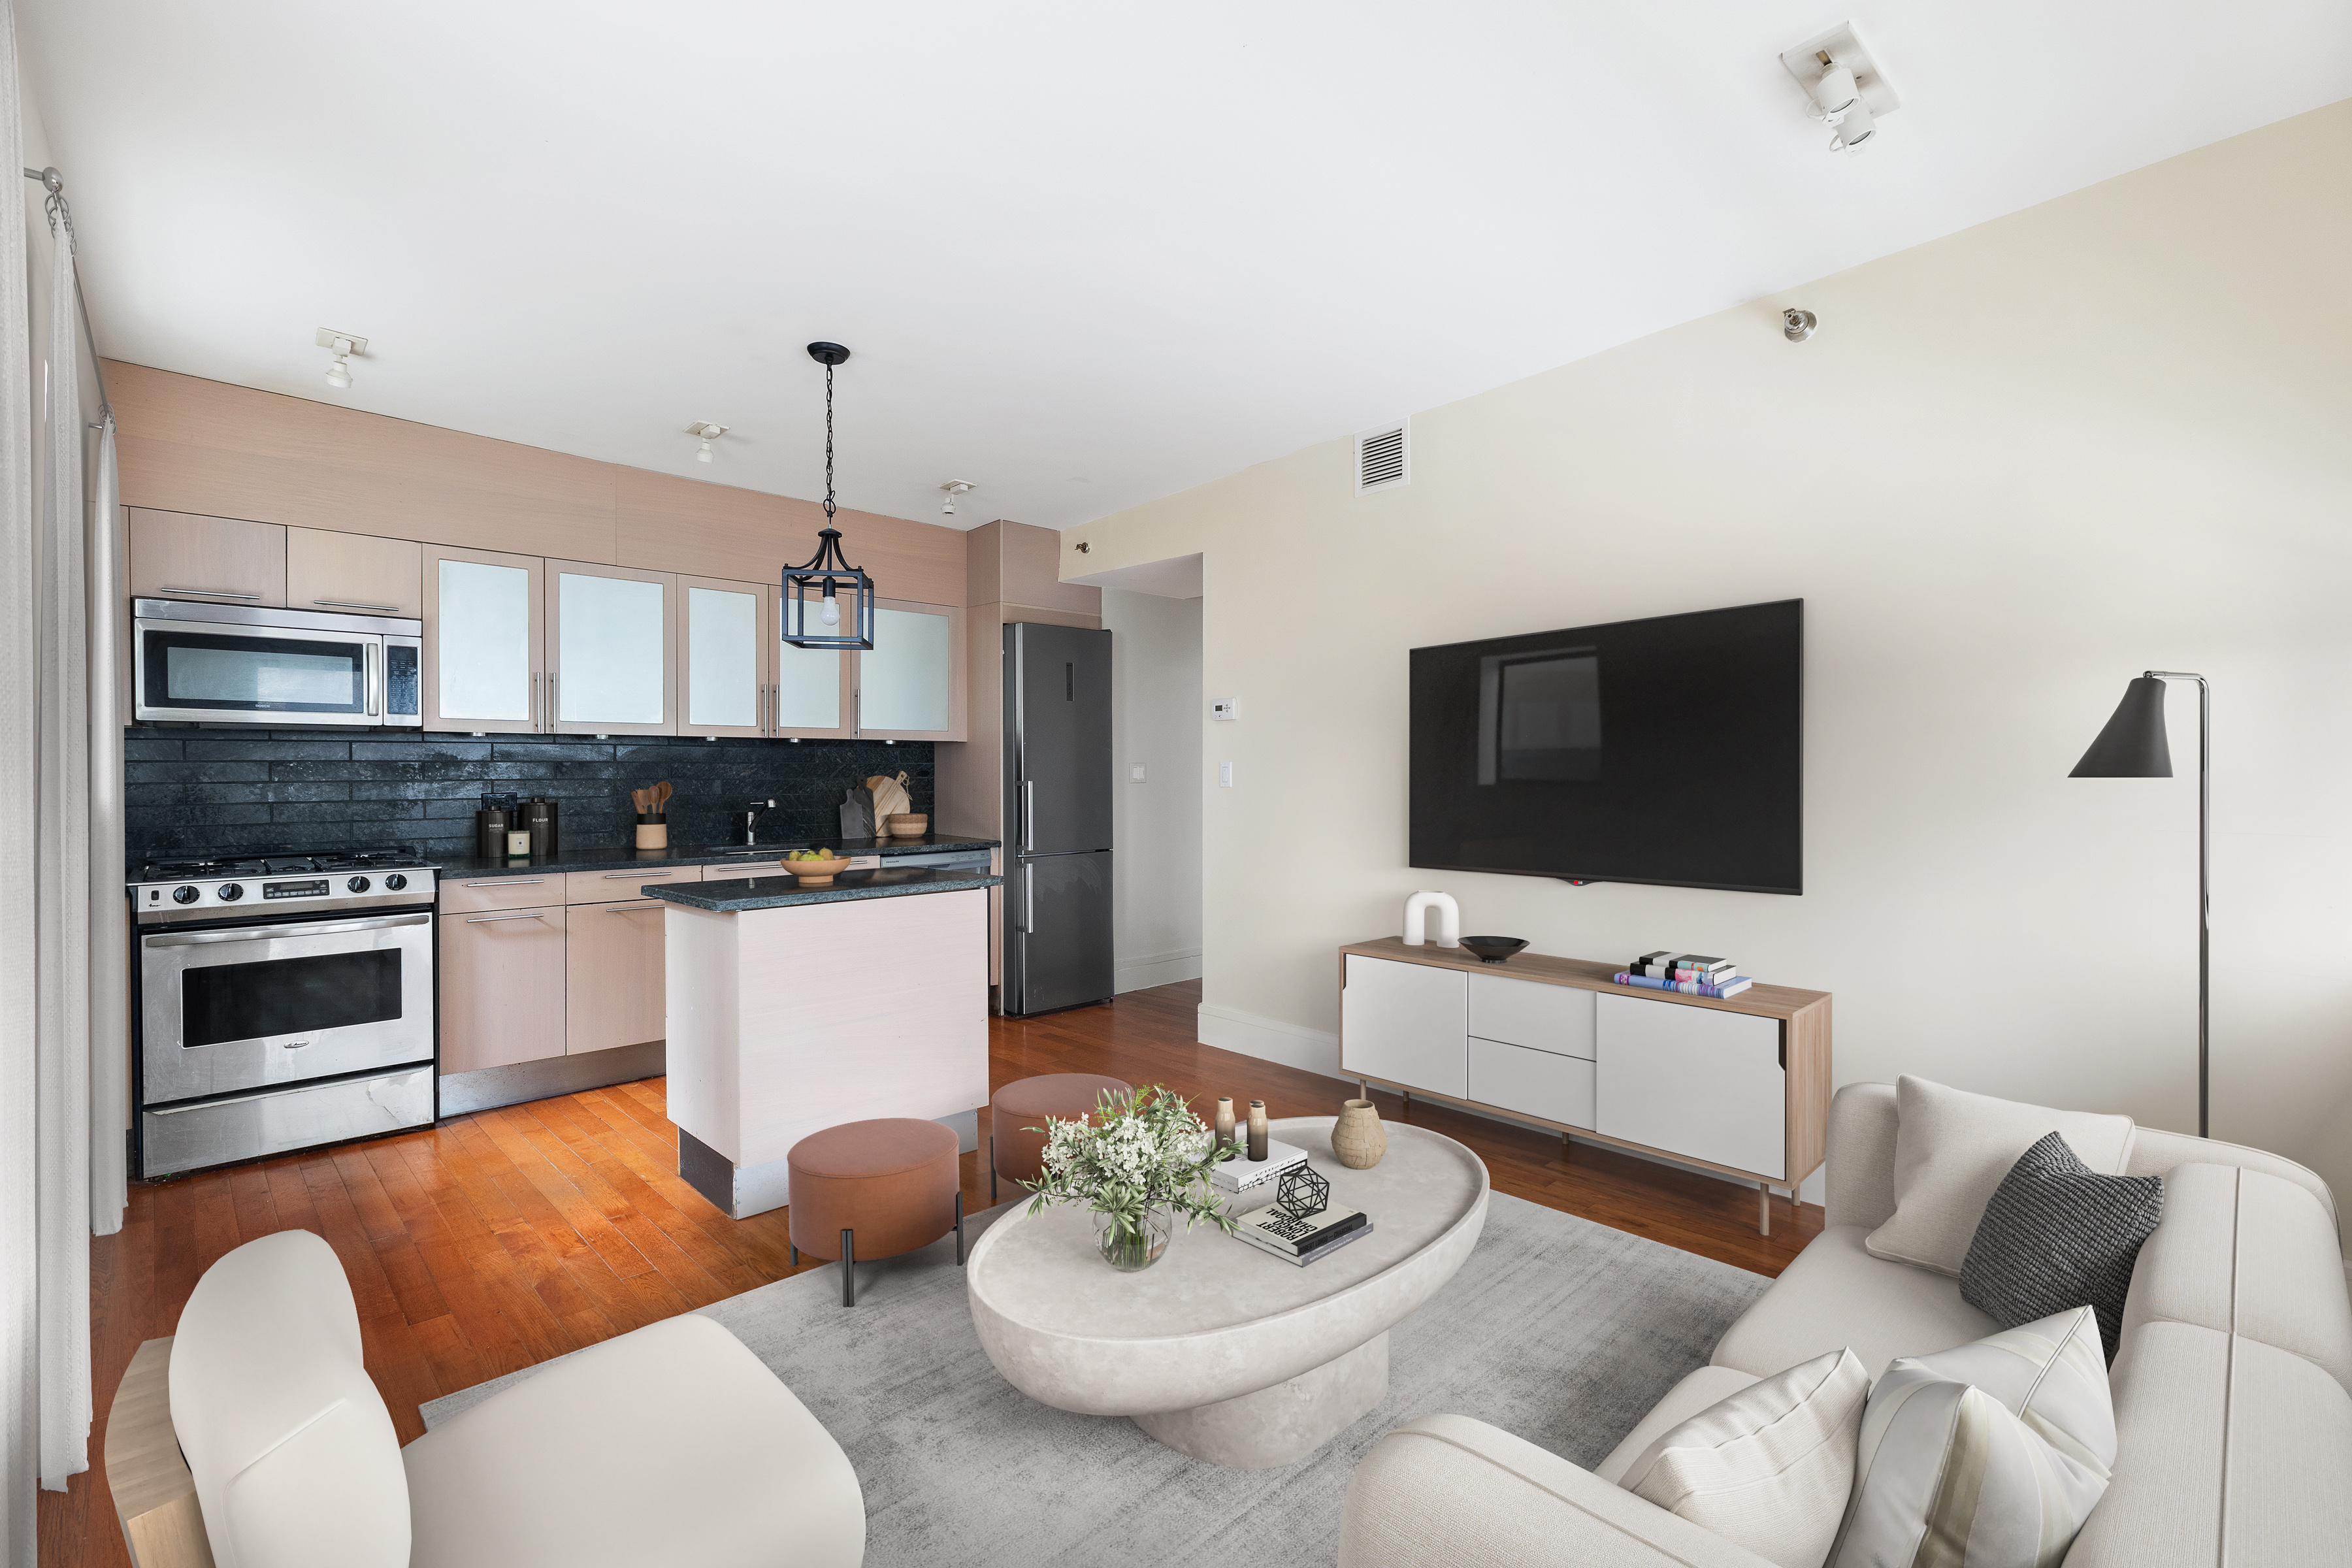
(243, 663)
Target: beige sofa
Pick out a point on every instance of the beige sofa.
(2236, 1360)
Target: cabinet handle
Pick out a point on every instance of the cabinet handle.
(509, 883)
(355, 604)
(554, 709)
(210, 592)
(534, 699)
(367, 678)
(640, 876)
(629, 909)
(1784, 1056)
(529, 915)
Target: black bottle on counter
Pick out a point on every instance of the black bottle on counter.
(491, 833)
(538, 816)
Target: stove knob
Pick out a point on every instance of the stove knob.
(357, 884)
(187, 894)
(230, 892)
(396, 881)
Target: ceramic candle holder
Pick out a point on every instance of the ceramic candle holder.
(1224, 1120)
(1257, 1129)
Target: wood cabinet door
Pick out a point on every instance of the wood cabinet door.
(725, 646)
(910, 686)
(611, 650)
(485, 640)
(502, 987)
(1405, 1024)
(185, 555)
(1697, 1081)
(612, 976)
(353, 572)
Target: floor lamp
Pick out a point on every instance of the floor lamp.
(2132, 746)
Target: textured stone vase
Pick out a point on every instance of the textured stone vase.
(1357, 1136)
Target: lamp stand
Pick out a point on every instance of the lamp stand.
(2204, 890)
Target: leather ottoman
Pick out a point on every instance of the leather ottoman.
(874, 1189)
(1017, 1154)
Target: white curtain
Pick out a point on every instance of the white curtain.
(110, 933)
(20, 674)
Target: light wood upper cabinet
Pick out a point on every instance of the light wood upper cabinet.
(502, 987)
(182, 555)
(485, 640)
(356, 574)
(612, 666)
(911, 684)
(725, 648)
(614, 985)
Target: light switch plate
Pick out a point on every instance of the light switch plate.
(1224, 708)
(1224, 775)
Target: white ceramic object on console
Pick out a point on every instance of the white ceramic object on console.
(1218, 1350)
(1416, 918)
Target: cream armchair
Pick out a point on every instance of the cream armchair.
(673, 1444)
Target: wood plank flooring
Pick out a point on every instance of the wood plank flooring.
(498, 1240)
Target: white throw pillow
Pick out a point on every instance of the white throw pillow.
(1952, 1149)
(1988, 1454)
(1769, 1468)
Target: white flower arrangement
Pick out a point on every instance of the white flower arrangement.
(1139, 1151)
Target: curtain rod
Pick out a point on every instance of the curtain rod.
(55, 183)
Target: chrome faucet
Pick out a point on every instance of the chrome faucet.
(751, 819)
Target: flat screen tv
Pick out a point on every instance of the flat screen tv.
(1667, 751)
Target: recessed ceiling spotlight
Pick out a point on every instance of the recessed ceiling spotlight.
(954, 489)
(709, 433)
(1798, 325)
(1847, 89)
(345, 344)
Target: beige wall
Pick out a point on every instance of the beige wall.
(2016, 466)
(1155, 655)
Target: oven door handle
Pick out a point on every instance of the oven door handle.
(278, 932)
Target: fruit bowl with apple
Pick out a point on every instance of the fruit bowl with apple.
(815, 868)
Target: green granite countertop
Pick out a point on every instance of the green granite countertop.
(736, 895)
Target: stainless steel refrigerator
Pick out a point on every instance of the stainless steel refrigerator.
(1057, 799)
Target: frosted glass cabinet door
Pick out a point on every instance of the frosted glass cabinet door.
(911, 684)
(722, 658)
(483, 641)
(613, 669)
(812, 690)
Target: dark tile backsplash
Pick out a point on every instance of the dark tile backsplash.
(191, 787)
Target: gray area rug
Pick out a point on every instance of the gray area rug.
(1561, 1331)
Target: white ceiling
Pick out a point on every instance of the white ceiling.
(1084, 254)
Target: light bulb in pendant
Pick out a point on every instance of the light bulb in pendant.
(830, 614)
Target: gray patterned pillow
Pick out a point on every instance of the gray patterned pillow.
(2057, 1234)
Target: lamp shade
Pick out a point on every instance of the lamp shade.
(2132, 746)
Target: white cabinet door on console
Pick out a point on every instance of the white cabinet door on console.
(1692, 1080)
(1406, 1023)
(1556, 1018)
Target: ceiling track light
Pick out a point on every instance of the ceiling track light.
(954, 489)
(345, 345)
(1844, 87)
(709, 433)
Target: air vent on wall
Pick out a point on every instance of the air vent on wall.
(1381, 458)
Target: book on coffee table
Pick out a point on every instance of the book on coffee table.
(1245, 1175)
(1332, 1241)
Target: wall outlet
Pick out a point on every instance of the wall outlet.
(1224, 775)
(1135, 773)
(1224, 708)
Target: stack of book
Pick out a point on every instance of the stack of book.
(1301, 1240)
(1692, 974)
(1242, 1174)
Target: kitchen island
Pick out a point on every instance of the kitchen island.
(792, 1009)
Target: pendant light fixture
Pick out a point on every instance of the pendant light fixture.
(829, 572)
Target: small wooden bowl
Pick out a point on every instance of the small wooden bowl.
(908, 825)
(817, 873)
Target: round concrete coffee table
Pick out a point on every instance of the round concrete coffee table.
(1220, 1350)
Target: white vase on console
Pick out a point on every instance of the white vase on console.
(1417, 918)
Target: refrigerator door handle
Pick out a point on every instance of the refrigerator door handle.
(1029, 816)
(1029, 900)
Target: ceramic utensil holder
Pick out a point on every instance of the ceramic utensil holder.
(1257, 1129)
(653, 831)
(1358, 1138)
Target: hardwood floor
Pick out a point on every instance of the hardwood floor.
(498, 1240)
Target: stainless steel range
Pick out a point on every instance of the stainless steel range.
(284, 1001)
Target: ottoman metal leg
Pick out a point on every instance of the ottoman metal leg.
(796, 1256)
(991, 1169)
(849, 1268)
(959, 1230)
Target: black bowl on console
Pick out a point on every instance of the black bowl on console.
(1493, 949)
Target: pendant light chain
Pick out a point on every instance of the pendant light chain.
(828, 446)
